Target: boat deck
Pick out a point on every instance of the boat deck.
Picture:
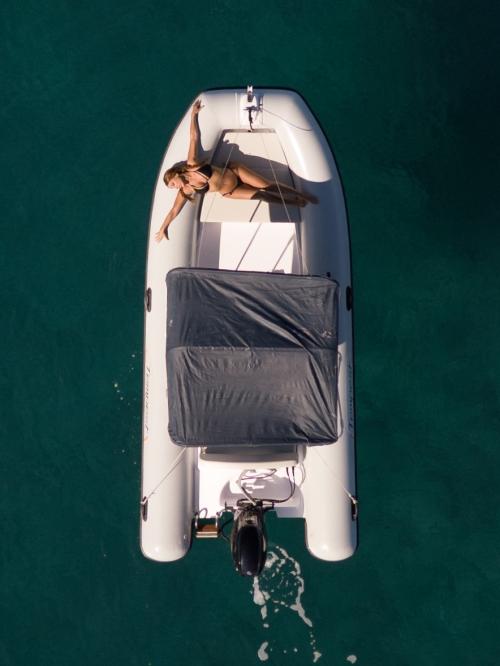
(249, 247)
(250, 235)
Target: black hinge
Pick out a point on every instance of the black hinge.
(144, 508)
(348, 298)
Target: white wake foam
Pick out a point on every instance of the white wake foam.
(280, 588)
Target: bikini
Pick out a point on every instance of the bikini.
(206, 171)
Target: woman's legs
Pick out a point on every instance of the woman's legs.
(271, 195)
(265, 194)
(241, 192)
(286, 189)
(250, 177)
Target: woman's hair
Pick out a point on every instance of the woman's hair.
(178, 169)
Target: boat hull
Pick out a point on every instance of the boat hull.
(176, 483)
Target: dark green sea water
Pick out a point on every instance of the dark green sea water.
(408, 94)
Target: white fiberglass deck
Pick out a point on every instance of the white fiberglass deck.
(250, 235)
(262, 152)
(219, 487)
(249, 247)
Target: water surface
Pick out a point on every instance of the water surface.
(407, 93)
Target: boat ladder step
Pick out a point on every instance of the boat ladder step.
(207, 531)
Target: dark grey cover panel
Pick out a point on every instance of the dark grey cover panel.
(251, 358)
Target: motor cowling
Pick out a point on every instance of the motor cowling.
(249, 541)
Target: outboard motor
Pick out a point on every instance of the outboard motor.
(249, 541)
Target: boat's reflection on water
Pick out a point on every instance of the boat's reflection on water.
(278, 592)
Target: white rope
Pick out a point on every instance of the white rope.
(177, 460)
(352, 497)
(282, 253)
(277, 115)
(245, 252)
(275, 178)
(302, 258)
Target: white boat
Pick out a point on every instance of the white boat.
(191, 484)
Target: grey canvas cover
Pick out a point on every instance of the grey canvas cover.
(251, 358)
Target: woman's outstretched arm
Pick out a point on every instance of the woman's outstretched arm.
(179, 202)
(194, 135)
